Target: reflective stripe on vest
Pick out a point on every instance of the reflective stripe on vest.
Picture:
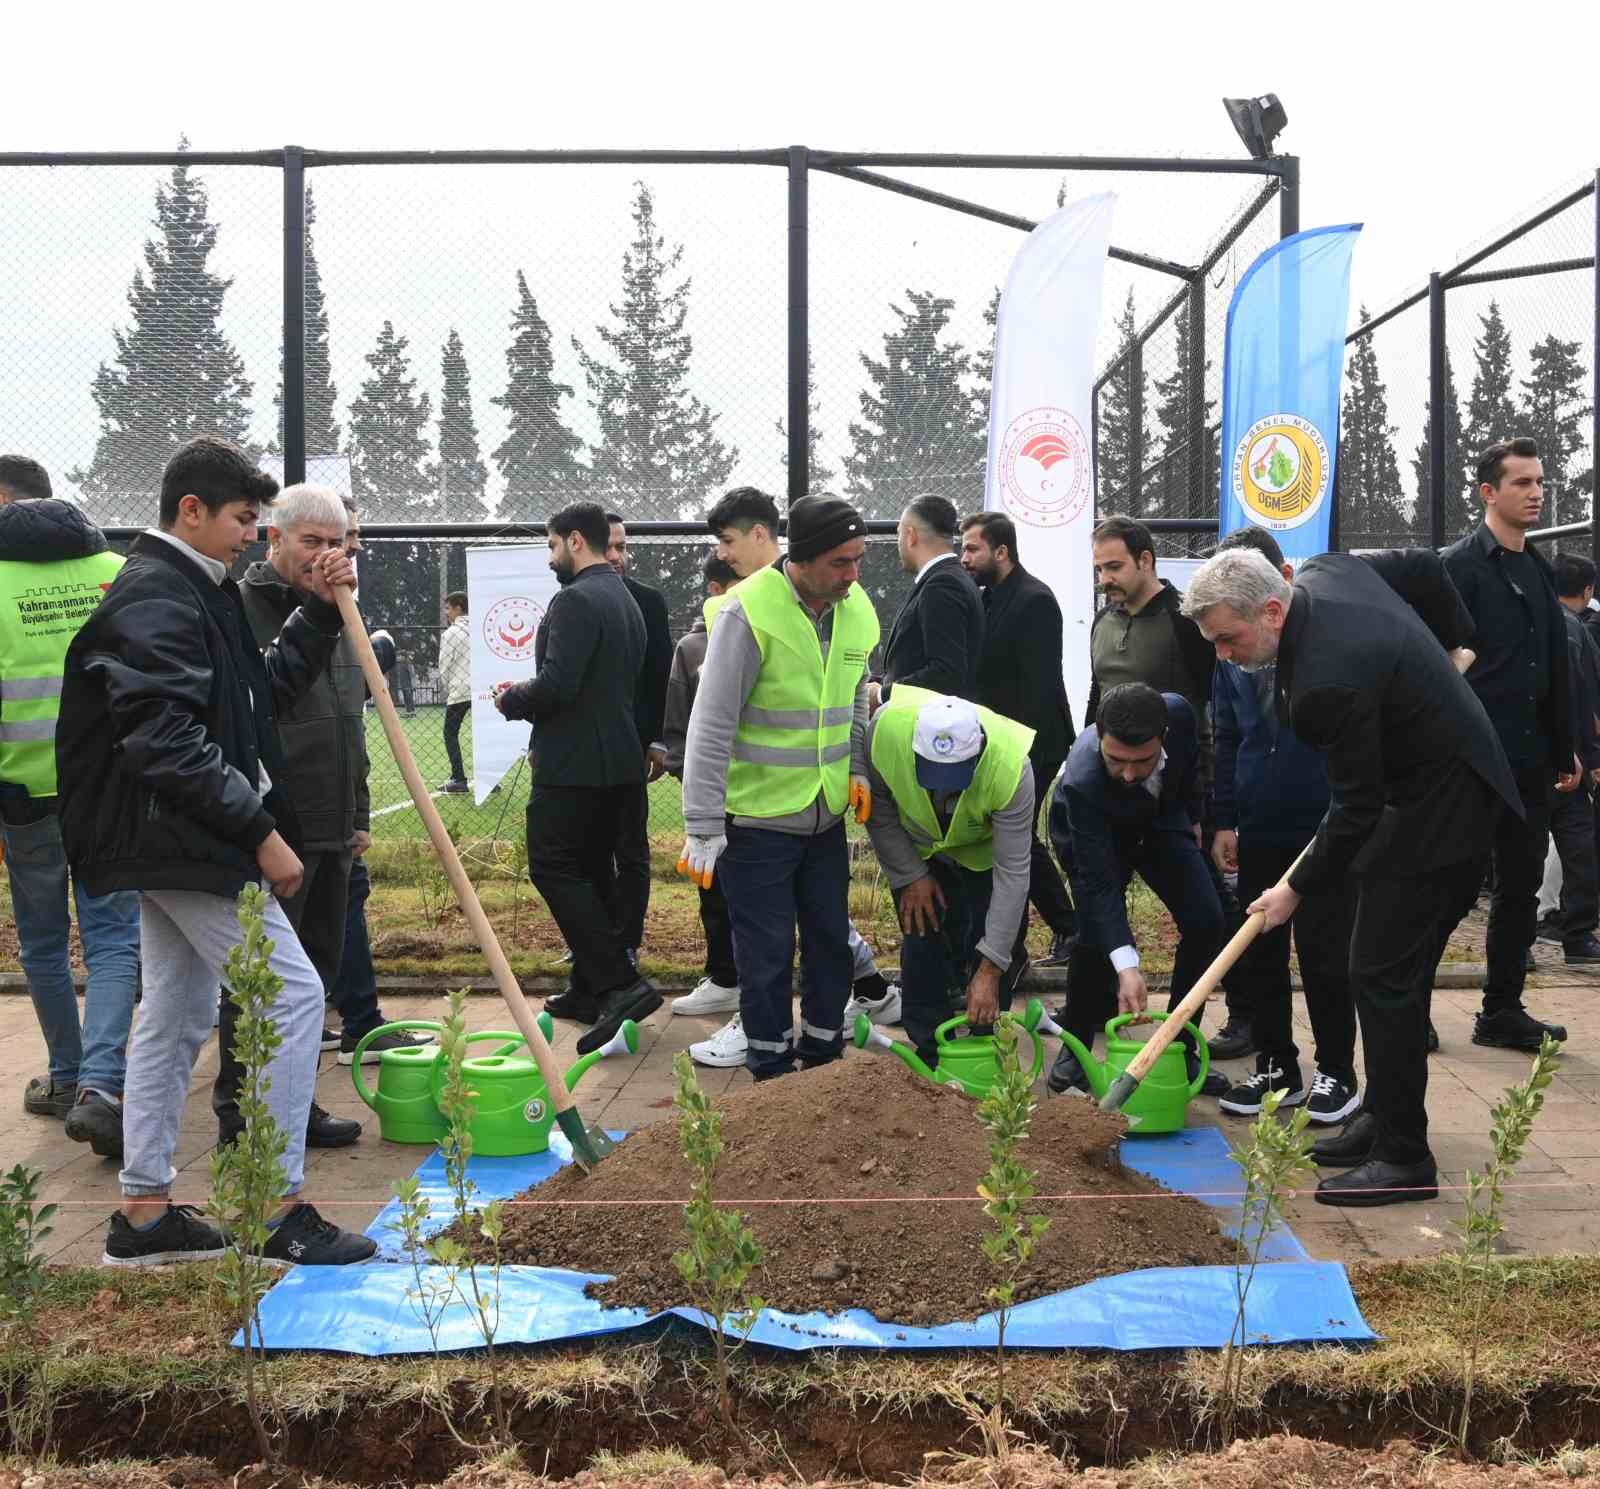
(42, 607)
(793, 737)
(970, 837)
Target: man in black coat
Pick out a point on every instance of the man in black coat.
(1522, 678)
(649, 712)
(937, 638)
(1418, 778)
(1572, 922)
(588, 770)
(1019, 675)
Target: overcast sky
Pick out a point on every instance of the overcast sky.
(1432, 125)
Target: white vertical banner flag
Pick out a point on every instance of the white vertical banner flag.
(508, 591)
(1041, 464)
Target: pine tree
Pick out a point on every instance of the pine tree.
(322, 431)
(1124, 441)
(920, 429)
(460, 469)
(1166, 491)
(175, 374)
(819, 476)
(538, 459)
(1554, 413)
(1491, 412)
(1371, 503)
(983, 359)
(658, 443)
(1459, 515)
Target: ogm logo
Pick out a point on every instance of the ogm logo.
(509, 627)
(533, 1111)
(1043, 468)
(1281, 471)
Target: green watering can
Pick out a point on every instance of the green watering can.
(1161, 1100)
(965, 1062)
(404, 1101)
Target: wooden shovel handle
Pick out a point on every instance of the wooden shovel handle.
(522, 1015)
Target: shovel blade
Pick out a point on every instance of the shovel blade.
(590, 1145)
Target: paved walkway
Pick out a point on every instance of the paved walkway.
(1553, 1208)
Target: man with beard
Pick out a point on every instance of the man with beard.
(588, 770)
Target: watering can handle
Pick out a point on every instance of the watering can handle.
(394, 730)
(1204, 1048)
(363, 1090)
(941, 1035)
(1177, 1017)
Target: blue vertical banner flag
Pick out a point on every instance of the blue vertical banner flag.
(1283, 362)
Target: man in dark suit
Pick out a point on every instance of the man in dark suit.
(1521, 677)
(588, 771)
(649, 712)
(1129, 802)
(1418, 779)
(1019, 676)
(1571, 922)
(937, 637)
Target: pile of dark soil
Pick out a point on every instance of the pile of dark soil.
(891, 1145)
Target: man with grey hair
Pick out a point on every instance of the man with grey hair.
(1418, 778)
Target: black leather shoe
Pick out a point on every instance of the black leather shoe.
(572, 1005)
(1431, 1044)
(1060, 951)
(1215, 1083)
(1350, 1145)
(637, 1002)
(1377, 1182)
(1513, 1029)
(1584, 952)
(1066, 1074)
(324, 1130)
(1233, 1041)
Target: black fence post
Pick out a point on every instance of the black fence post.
(1289, 197)
(799, 322)
(294, 314)
(1436, 411)
(1194, 381)
(1594, 391)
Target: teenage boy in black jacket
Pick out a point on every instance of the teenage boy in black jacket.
(166, 747)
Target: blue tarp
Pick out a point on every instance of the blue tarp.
(372, 1309)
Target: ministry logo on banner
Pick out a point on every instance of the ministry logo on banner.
(1043, 468)
(510, 625)
(1281, 471)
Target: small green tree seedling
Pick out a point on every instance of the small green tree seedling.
(1007, 1187)
(1277, 1154)
(247, 1175)
(722, 1254)
(1511, 1125)
(24, 1227)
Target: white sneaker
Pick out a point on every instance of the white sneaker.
(884, 1010)
(708, 997)
(725, 1048)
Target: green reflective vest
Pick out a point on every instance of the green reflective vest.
(969, 839)
(42, 607)
(793, 738)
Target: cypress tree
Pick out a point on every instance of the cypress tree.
(1555, 410)
(1371, 500)
(1491, 410)
(538, 459)
(1124, 423)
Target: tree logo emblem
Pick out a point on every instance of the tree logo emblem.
(509, 627)
(1043, 468)
(533, 1111)
(1281, 470)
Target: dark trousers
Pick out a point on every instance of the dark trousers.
(573, 833)
(407, 698)
(1172, 865)
(1517, 856)
(777, 883)
(1572, 825)
(1045, 886)
(1322, 927)
(633, 870)
(355, 989)
(454, 713)
(1399, 933)
(317, 913)
(720, 967)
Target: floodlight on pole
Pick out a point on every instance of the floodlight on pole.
(1259, 121)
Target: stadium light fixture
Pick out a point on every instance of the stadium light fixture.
(1259, 121)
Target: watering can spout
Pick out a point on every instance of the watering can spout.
(867, 1037)
(624, 1042)
(1094, 1071)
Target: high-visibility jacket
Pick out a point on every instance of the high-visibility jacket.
(793, 736)
(42, 607)
(969, 839)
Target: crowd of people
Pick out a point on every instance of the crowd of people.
(1351, 749)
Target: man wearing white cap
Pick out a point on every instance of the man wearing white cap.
(952, 825)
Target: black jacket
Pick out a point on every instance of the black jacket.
(167, 716)
(589, 650)
(1019, 668)
(937, 638)
(1583, 657)
(1099, 826)
(1502, 620)
(323, 733)
(1363, 676)
(650, 694)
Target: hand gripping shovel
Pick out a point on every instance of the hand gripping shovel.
(589, 1144)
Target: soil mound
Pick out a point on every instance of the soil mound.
(869, 1131)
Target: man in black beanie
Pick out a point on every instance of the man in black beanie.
(773, 759)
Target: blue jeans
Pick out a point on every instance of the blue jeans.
(96, 1054)
(355, 989)
(776, 883)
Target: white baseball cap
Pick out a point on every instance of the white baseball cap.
(948, 741)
